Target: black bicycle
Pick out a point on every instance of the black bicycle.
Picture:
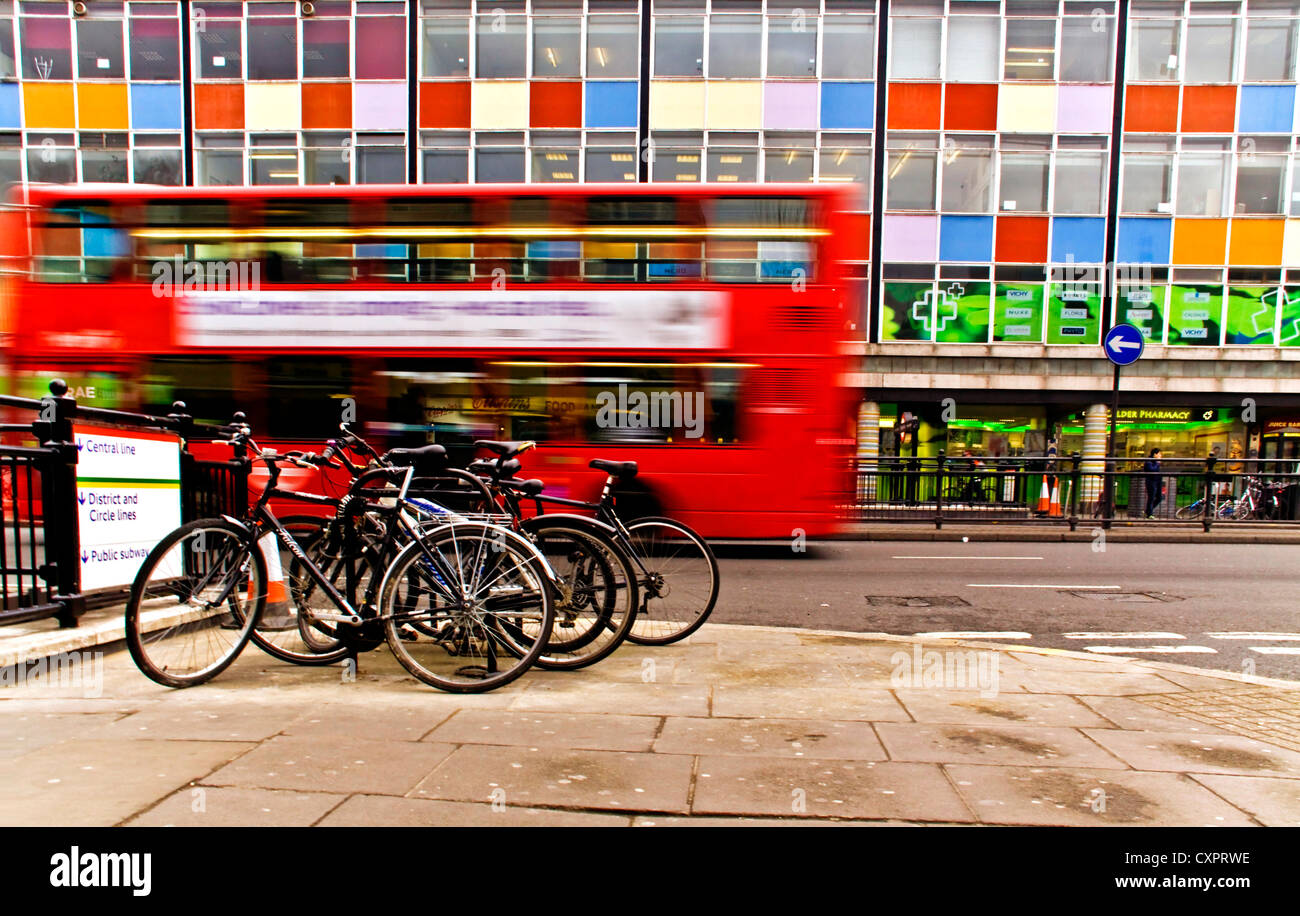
(465, 606)
(676, 570)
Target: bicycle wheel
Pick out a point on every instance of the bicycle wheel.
(289, 630)
(466, 608)
(1191, 510)
(194, 602)
(596, 602)
(678, 578)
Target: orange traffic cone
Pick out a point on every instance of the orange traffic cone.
(276, 615)
(1044, 498)
(1054, 509)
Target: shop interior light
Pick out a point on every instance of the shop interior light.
(620, 157)
(731, 160)
(557, 157)
(841, 156)
(602, 56)
(901, 161)
(552, 58)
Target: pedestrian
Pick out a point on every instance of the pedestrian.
(1155, 484)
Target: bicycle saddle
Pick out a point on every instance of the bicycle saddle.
(505, 449)
(493, 466)
(530, 487)
(624, 470)
(425, 458)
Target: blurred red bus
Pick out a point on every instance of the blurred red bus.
(694, 329)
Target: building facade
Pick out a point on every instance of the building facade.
(1032, 171)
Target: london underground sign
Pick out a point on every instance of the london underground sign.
(1123, 344)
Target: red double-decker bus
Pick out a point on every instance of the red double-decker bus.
(694, 329)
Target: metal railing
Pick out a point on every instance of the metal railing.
(40, 554)
(1070, 490)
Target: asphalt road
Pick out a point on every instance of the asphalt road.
(1227, 607)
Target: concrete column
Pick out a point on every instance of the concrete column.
(1096, 421)
(868, 448)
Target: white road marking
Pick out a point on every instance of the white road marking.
(1123, 636)
(1151, 650)
(969, 557)
(1276, 650)
(1064, 588)
(1266, 637)
(973, 634)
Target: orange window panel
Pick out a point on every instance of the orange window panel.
(1256, 241)
(445, 105)
(326, 106)
(970, 106)
(218, 106)
(620, 251)
(1151, 109)
(914, 106)
(1021, 239)
(674, 251)
(444, 250)
(1200, 241)
(1209, 109)
(552, 104)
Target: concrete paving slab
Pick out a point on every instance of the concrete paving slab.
(857, 704)
(1015, 745)
(1071, 662)
(382, 810)
(812, 738)
(1187, 752)
(825, 788)
(577, 694)
(22, 732)
(1091, 683)
(341, 765)
(769, 672)
(654, 820)
(97, 783)
(522, 728)
(1083, 798)
(1272, 802)
(1191, 681)
(380, 721)
(548, 777)
(1134, 715)
(969, 708)
(211, 806)
(224, 722)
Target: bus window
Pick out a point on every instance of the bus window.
(78, 243)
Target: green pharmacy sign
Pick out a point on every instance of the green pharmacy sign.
(1143, 307)
(1018, 313)
(951, 312)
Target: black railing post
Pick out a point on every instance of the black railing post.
(62, 569)
(938, 488)
(1210, 508)
(1076, 481)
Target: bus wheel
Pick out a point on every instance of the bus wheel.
(633, 500)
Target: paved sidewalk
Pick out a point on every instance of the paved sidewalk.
(1059, 531)
(738, 725)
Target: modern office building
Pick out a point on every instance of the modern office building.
(1008, 152)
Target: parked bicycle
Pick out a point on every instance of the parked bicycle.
(676, 571)
(464, 605)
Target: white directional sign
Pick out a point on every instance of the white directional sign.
(1123, 344)
(128, 498)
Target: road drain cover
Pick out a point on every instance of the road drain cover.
(916, 601)
(1125, 597)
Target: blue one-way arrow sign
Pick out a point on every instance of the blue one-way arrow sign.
(1123, 344)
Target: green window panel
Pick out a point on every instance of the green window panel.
(1250, 317)
(1073, 314)
(1018, 313)
(962, 311)
(1144, 308)
(1195, 315)
(1289, 327)
(908, 312)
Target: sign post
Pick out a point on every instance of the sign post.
(1123, 347)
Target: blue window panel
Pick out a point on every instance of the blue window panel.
(10, 105)
(610, 104)
(1267, 109)
(155, 106)
(1081, 239)
(1143, 240)
(555, 250)
(966, 238)
(848, 106)
(381, 250)
(100, 243)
